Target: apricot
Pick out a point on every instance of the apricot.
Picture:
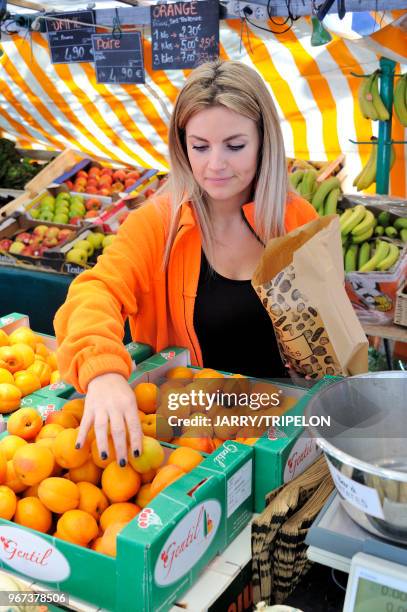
(12, 480)
(55, 377)
(111, 454)
(65, 419)
(147, 395)
(50, 430)
(25, 422)
(32, 513)
(66, 455)
(58, 494)
(8, 503)
(10, 397)
(41, 349)
(181, 372)
(31, 491)
(4, 339)
(92, 499)
(96, 544)
(87, 472)
(122, 512)
(148, 476)
(108, 545)
(78, 527)
(41, 369)
(156, 426)
(52, 361)
(144, 495)
(27, 382)
(26, 353)
(6, 376)
(75, 407)
(32, 463)
(185, 458)
(23, 335)
(120, 483)
(151, 457)
(204, 430)
(194, 439)
(166, 476)
(3, 467)
(9, 445)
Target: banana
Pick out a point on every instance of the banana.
(379, 230)
(357, 216)
(390, 231)
(381, 110)
(368, 175)
(331, 201)
(365, 97)
(345, 216)
(381, 252)
(351, 258)
(400, 100)
(308, 183)
(296, 178)
(364, 254)
(390, 259)
(403, 235)
(362, 237)
(384, 218)
(400, 223)
(322, 192)
(367, 223)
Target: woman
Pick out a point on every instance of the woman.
(181, 265)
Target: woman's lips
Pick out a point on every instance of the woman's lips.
(219, 180)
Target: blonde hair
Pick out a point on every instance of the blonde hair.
(240, 88)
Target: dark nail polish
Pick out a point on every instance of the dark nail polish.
(77, 445)
(122, 462)
(103, 454)
(136, 453)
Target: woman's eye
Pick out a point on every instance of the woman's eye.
(199, 148)
(236, 147)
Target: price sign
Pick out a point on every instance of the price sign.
(68, 40)
(119, 58)
(184, 34)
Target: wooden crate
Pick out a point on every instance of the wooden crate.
(66, 160)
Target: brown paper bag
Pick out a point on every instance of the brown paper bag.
(300, 281)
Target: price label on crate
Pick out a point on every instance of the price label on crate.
(184, 34)
(119, 57)
(69, 36)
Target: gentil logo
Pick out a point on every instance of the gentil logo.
(169, 355)
(148, 517)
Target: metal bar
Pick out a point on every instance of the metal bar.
(384, 151)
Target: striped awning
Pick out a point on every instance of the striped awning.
(57, 106)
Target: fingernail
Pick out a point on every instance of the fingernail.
(136, 453)
(122, 462)
(103, 454)
(77, 445)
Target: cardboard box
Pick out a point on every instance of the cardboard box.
(279, 456)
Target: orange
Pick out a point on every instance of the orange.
(66, 455)
(166, 476)
(31, 513)
(87, 472)
(185, 458)
(118, 513)
(25, 352)
(32, 463)
(10, 397)
(9, 445)
(78, 527)
(4, 340)
(27, 382)
(58, 494)
(12, 480)
(75, 407)
(180, 372)
(111, 454)
(8, 503)
(144, 496)
(92, 499)
(120, 483)
(146, 397)
(109, 539)
(23, 335)
(25, 422)
(6, 376)
(42, 370)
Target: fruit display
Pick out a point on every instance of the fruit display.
(102, 181)
(86, 249)
(26, 365)
(323, 195)
(370, 102)
(48, 484)
(65, 208)
(400, 100)
(35, 241)
(15, 170)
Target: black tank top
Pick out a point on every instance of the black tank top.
(234, 330)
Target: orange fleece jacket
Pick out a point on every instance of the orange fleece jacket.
(129, 282)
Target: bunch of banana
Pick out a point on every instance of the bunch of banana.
(400, 100)
(323, 195)
(367, 176)
(369, 257)
(397, 230)
(358, 223)
(370, 102)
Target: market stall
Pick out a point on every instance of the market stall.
(215, 514)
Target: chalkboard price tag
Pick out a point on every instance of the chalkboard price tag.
(119, 57)
(184, 34)
(70, 42)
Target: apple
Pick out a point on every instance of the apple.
(91, 214)
(37, 251)
(61, 218)
(35, 213)
(46, 215)
(106, 179)
(119, 175)
(24, 237)
(50, 241)
(129, 183)
(79, 207)
(92, 204)
(52, 232)
(27, 250)
(47, 200)
(5, 244)
(82, 173)
(16, 248)
(75, 220)
(91, 189)
(64, 234)
(117, 186)
(78, 256)
(81, 180)
(107, 240)
(69, 184)
(105, 191)
(77, 198)
(86, 245)
(95, 239)
(80, 188)
(133, 174)
(63, 195)
(40, 230)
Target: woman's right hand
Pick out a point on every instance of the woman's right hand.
(111, 401)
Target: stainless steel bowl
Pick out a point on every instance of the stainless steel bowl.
(366, 446)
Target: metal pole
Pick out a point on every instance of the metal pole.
(384, 146)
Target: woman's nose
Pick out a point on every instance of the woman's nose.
(216, 160)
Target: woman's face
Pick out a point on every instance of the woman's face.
(223, 148)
